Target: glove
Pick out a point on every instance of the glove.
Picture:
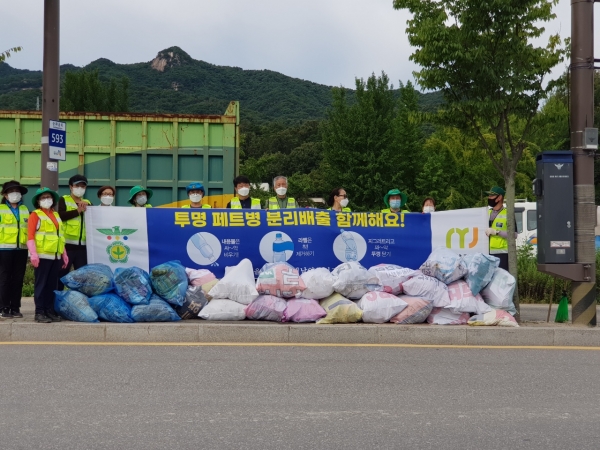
(65, 259)
(491, 232)
(33, 256)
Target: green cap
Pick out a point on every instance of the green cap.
(496, 190)
(136, 190)
(395, 192)
(41, 191)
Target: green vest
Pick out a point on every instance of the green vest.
(203, 206)
(291, 203)
(13, 234)
(147, 205)
(389, 211)
(49, 242)
(236, 204)
(497, 243)
(346, 209)
(74, 228)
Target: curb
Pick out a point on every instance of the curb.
(260, 332)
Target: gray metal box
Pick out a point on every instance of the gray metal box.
(555, 210)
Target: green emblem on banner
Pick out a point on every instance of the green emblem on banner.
(117, 251)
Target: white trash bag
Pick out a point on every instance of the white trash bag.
(353, 281)
(380, 307)
(462, 299)
(443, 316)
(445, 265)
(499, 292)
(391, 276)
(319, 283)
(428, 288)
(220, 309)
(237, 284)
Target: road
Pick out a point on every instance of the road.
(252, 397)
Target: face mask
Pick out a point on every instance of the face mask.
(344, 202)
(78, 192)
(107, 199)
(395, 204)
(14, 197)
(195, 198)
(491, 202)
(243, 191)
(281, 191)
(46, 203)
(428, 209)
(141, 200)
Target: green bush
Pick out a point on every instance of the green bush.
(28, 281)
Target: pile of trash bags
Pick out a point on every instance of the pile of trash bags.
(448, 289)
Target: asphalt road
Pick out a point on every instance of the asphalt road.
(247, 397)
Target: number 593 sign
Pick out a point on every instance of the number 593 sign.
(57, 140)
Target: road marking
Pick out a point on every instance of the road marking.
(287, 344)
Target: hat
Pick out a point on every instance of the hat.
(136, 190)
(496, 190)
(395, 192)
(11, 185)
(194, 187)
(77, 179)
(41, 191)
(103, 188)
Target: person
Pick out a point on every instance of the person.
(195, 192)
(106, 194)
(241, 185)
(14, 216)
(281, 201)
(71, 209)
(395, 200)
(338, 200)
(428, 205)
(498, 228)
(47, 252)
(139, 196)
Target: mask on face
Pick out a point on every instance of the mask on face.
(491, 202)
(244, 191)
(78, 192)
(14, 197)
(46, 203)
(141, 200)
(395, 204)
(195, 198)
(281, 191)
(107, 199)
(428, 209)
(344, 202)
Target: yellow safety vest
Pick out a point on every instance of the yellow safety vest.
(49, 242)
(498, 244)
(237, 204)
(13, 234)
(346, 209)
(291, 203)
(147, 205)
(74, 228)
(389, 211)
(203, 206)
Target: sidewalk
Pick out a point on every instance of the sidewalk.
(533, 332)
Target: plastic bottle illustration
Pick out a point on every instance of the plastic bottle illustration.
(351, 251)
(279, 248)
(204, 247)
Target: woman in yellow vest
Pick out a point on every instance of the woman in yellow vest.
(139, 196)
(281, 201)
(46, 244)
(395, 200)
(195, 192)
(13, 248)
(338, 200)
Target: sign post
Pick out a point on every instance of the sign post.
(57, 141)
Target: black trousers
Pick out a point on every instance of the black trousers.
(77, 259)
(46, 282)
(12, 272)
(503, 260)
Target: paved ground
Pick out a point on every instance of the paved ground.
(146, 397)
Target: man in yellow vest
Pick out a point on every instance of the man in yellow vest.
(395, 199)
(71, 210)
(241, 185)
(498, 230)
(281, 201)
(195, 192)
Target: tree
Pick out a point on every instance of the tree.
(84, 91)
(6, 53)
(481, 55)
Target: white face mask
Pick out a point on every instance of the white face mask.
(141, 200)
(195, 198)
(344, 202)
(107, 199)
(46, 203)
(244, 191)
(428, 209)
(281, 190)
(78, 192)
(14, 197)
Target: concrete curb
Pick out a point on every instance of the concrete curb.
(267, 332)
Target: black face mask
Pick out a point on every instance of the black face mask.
(492, 201)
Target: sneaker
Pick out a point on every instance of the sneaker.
(6, 314)
(42, 318)
(53, 316)
(16, 313)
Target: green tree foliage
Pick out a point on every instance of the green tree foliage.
(6, 53)
(84, 91)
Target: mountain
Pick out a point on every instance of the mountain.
(174, 82)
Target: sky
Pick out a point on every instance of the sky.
(330, 42)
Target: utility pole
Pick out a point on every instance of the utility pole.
(50, 89)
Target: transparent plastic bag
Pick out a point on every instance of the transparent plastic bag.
(133, 285)
(112, 308)
(157, 310)
(91, 280)
(73, 305)
(170, 282)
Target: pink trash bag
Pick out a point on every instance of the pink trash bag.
(279, 279)
(266, 307)
(198, 277)
(416, 312)
(303, 310)
(462, 299)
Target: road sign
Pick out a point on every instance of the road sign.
(57, 140)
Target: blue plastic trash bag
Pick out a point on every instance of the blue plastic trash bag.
(480, 270)
(91, 280)
(156, 311)
(112, 308)
(73, 305)
(133, 285)
(170, 282)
